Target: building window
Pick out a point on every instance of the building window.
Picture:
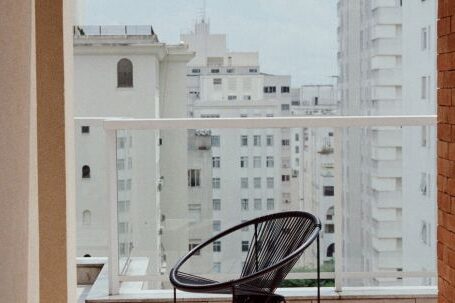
(285, 107)
(425, 83)
(270, 204)
(217, 246)
(297, 149)
(124, 73)
(215, 70)
(257, 162)
(257, 140)
(120, 164)
(216, 225)
(257, 204)
(269, 89)
(244, 182)
(246, 97)
(330, 213)
(244, 204)
(123, 227)
(253, 70)
(217, 81)
(316, 100)
(424, 38)
(194, 213)
(123, 206)
(244, 141)
(196, 71)
(232, 97)
(121, 185)
(216, 162)
(285, 89)
(257, 182)
(130, 163)
(194, 177)
(243, 116)
(217, 267)
(86, 217)
(270, 182)
(328, 191)
(295, 103)
(285, 178)
(216, 141)
(216, 204)
(245, 246)
(85, 129)
(230, 70)
(285, 142)
(297, 137)
(270, 162)
(424, 183)
(216, 183)
(423, 136)
(193, 243)
(269, 140)
(244, 162)
(331, 250)
(128, 184)
(329, 228)
(85, 171)
(245, 228)
(121, 142)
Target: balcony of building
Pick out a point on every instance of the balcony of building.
(142, 274)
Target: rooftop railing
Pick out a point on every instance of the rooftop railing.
(113, 30)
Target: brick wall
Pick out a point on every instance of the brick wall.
(446, 150)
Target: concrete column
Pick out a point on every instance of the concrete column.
(55, 151)
(18, 180)
(37, 261)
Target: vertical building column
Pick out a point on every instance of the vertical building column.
(55, 151)
(18, 180)
(446, 150)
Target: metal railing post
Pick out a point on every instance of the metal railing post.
(338, 209)
(111, 171)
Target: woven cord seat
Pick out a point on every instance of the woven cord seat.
(279, 240)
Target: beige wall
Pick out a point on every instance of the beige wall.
(36, 252)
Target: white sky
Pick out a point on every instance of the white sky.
(295, 37)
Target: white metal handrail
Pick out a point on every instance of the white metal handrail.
(111, 125)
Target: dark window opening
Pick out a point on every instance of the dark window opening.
(85, 171)
(124, 73)
(331, 250)
(328, 191)
(85, 129)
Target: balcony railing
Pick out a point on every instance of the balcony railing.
(339, 124)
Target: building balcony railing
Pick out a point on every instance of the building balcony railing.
(144, 270)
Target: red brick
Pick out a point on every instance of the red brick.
(444, 132)
(445, 96)
(451, 155)
(444, 26)
(443, 149)
(444, 202)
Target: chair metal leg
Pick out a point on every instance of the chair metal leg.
(318, 269)
(175, 295)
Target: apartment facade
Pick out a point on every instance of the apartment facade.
(379, 45)
(254, 171)
(126, 72)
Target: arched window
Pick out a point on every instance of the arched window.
(86, 217)
(330, 213)
(124, 73)
(330, 250)
(85, 171)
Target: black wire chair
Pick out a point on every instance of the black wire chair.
(287, 233)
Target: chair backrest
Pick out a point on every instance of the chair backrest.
(273, 241)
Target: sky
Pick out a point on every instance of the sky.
(293, 37)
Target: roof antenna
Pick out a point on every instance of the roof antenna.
(204, 10)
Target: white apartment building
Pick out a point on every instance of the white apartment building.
(125, 72)
(253, 171)
(386, 68)
(419, 150)
(318, 164)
